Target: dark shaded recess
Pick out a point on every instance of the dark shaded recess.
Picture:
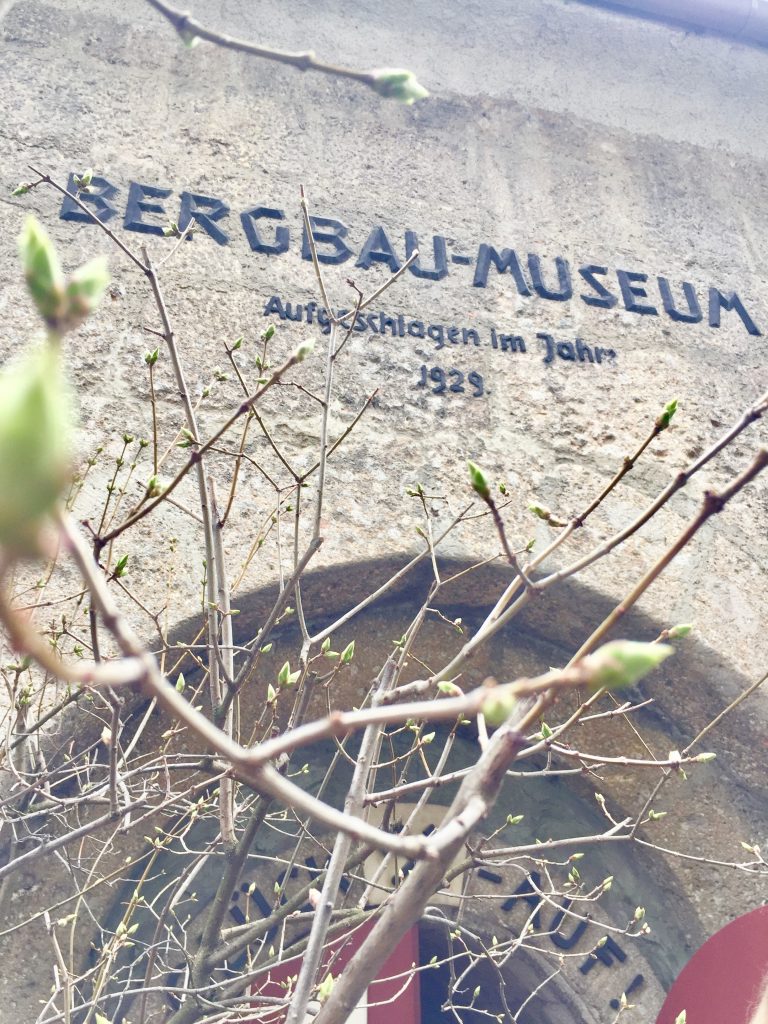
(517, 980)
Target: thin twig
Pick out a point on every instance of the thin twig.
(304, 60)
(78, 202)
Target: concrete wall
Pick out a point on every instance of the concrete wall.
(554, 129)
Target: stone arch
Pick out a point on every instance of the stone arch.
(547, 633)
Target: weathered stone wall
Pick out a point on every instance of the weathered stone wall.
(553, 129)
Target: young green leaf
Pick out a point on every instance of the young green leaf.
(284, 674)
(83, 181)
(121, 568)
(325, 988)
(666, 417)
(397, 84)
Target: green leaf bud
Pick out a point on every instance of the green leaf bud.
(180, 683)
(678, 632)
(269, 333)
(62, 304)
(497, 707)
(705, 758)
(85, 290)
(236, 344)
(514, 819)
(543, 513)
(154, 487)
(348, 653)
(35, 428)
(285, 677)
(478, 481)
(188, 37)
(397, 84)
(624, 663)
(666, 417)
(681, 1018)
(305, 349)
(42, 271)
(21, 190)
(450, 689)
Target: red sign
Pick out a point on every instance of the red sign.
(722, 982)
(394, 996)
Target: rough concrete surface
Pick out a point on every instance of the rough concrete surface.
(554, 129)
